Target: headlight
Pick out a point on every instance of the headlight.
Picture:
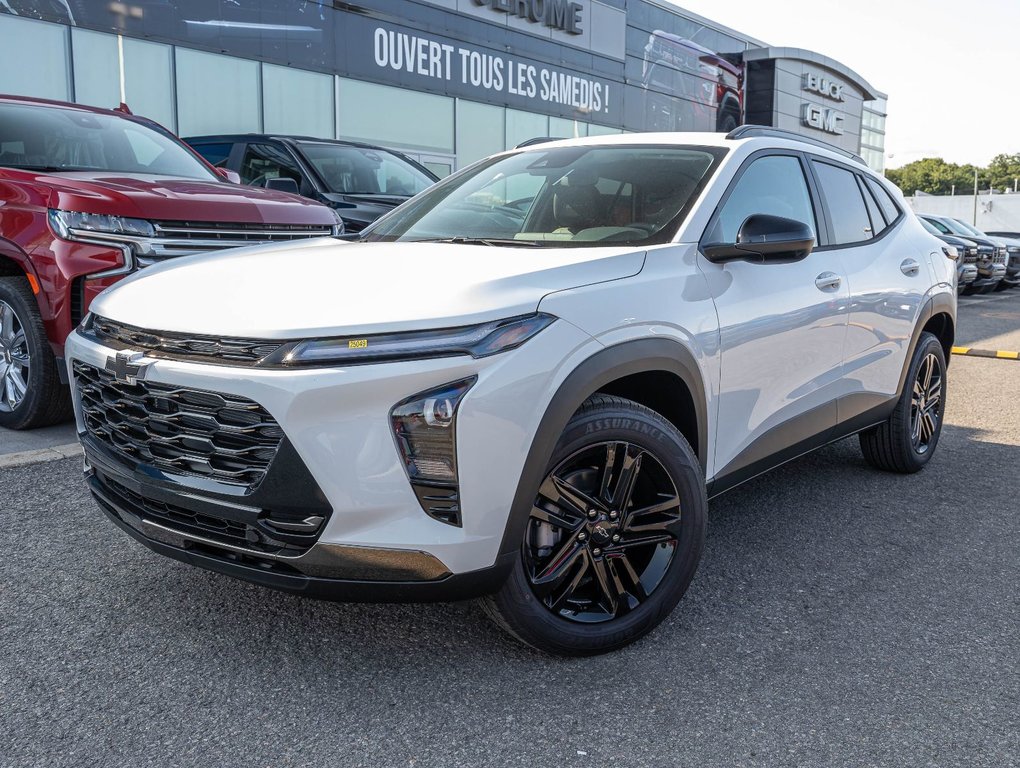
(73, 225)
(475, 340)
(424, 426)
(972, 250)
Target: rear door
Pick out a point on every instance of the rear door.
(888, 278)
(782, 326)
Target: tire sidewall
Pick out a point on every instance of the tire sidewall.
(38, 349)
(927, 344)
(653, 433)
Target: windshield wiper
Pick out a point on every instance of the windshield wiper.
(50, 168)
(491, 241)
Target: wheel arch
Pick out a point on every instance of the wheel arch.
(937, 316)
(661, 374)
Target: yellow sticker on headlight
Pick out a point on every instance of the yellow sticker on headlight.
(357, 344)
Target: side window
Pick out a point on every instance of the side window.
(850, 223)
(878, 222)
(214, 154)
(885, 201)
(773, 185)
(264, 161)
(939, 226)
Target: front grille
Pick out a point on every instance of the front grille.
(225, 438)
(180, 346)
(970, 258)
(178, 518)
(1000, 256)
(180, 238)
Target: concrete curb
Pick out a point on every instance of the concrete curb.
(40, 456)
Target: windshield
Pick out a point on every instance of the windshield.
(364, 171)
(52, 139)
(967, 228)
(929, 226)
(560, 196)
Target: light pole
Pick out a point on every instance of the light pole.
(975, 196)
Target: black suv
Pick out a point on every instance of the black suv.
(360, 181)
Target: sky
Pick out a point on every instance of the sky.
(950, 67)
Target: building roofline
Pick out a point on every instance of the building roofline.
(870, 92)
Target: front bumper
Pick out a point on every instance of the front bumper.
(326, 571)
(376, 543)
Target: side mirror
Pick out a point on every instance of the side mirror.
(283, 184)
(765, 238)
(227, 175)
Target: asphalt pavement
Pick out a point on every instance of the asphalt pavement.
(840, 617)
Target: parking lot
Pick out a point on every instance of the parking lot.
(840, 617)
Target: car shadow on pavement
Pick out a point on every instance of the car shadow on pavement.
(807, 534)
(836, 608)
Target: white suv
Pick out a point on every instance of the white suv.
(524, 383)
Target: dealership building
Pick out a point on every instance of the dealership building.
(445, 81)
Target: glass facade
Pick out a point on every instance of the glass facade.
(47, 76)
(217, 93)
(446, 87)
(873, 133)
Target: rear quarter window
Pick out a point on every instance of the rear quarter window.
(843, 198)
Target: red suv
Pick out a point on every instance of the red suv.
(88, 196)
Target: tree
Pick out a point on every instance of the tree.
(1002, 172)
(934, 176)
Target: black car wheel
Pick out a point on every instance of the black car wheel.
(31, 394)
(907, 440)
(614, 535)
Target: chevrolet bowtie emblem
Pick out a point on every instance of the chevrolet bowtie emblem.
(128, 367)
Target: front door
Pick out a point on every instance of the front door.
(782, 327)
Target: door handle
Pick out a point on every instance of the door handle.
(828, 281)
(909, 267)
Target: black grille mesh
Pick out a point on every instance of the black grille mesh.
(185, 431)
(183, 346)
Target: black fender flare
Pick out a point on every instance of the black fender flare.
(605, 366)
(937, 304)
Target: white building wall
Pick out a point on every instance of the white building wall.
(995, 213)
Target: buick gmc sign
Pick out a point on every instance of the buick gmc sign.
(817, 116)
(557, 14)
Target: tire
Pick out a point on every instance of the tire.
(906, 442)
(31, 394)
(727, 123)
(615, 589)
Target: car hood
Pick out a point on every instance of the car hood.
(326, 287)
(164, 198)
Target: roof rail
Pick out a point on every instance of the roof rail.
(538, 140)
(750, 131)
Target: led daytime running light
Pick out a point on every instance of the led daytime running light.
(475, 340)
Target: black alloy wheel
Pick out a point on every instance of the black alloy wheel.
(602, 533)
(613, 536)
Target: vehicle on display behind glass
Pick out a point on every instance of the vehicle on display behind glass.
(689, 87)
(88, 196)
(360, 181)
(991, 258)
(966, 256)
(525, 383)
